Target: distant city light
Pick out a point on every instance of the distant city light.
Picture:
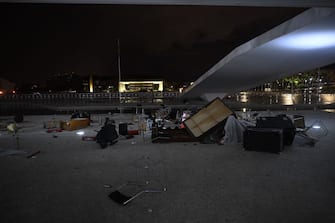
(308, 41)
(91, 84)
(243, 97)
(1, 92)
(328, 99)
(288, 99)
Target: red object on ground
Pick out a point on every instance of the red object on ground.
(54, 130)
(133, 132)
(88, 138)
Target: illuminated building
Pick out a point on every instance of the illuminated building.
(140, 86)
(91, 84)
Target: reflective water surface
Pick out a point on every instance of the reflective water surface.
(282, 98)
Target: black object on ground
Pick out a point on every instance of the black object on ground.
(160, 135)
(118, 197)
(107, 135)
(123, 129)
(299, 121)
(123, 199)
(214, 135)
(18, 118)
(282, 122)
(129, 136)
(33, 154)
(263, 139)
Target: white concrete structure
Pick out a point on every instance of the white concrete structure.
(303, 43)
(273, 3)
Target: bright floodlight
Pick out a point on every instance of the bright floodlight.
(80, 133)
(309, 41)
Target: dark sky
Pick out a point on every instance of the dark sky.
(171, 42)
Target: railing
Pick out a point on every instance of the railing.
(88, 96)
(47, 102)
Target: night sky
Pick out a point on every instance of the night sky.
(170, 42)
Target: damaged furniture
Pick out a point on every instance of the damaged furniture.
(299, 121)
(263, 139)
(271, 134)
(208, 123)
(123, 199)
(161, 135)
(280, 122)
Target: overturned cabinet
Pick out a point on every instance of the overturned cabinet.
(209, 121)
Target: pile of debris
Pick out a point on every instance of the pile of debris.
(214, 123)
(217, 123)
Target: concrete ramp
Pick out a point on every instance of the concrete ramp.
(303, 43)
(262, 3)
